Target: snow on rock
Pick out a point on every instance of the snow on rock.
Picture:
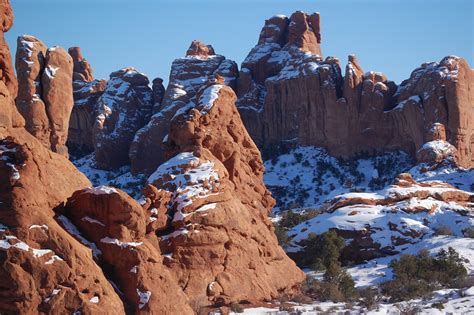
(101, 190)
(208, 96)
(36, 226)
(10, 241)
(187, 178)
(72, 229)
(91, 220)
(117, 242)
(403, 213)
(51, 71)
(144, 298)
(120, 178)
(94, 299)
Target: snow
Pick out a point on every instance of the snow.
(55, 292)
(187, 178)
(119, 178)
(51, 71)
(91, 220)
(208, 97)
(36, 226)
(134, 269)
(117, 242)
(306, 177)
(144, 298)
(11, 241)
(15, 173)
(439, 147)
(101, 190)
(94, 299)
(72, 229)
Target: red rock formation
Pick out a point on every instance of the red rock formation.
(186, 77)
(57, 95)
(81, 122)
(219, 234)
(30, 56)
(45, 96)
(288, 94)
(123, 108)
(158, 94)
(116, 224)
(9, 115)
(82, 70)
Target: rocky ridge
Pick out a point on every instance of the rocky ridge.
(288, 94)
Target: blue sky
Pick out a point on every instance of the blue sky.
(389, 36)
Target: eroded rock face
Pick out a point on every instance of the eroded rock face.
(123, 108)
(379, 224)
(52, 271)
(82, 68)
(45, 97)
(57, 95)
(288, 94)
(116, 224)
(219, 234)
(9, 116)
(186, 77)
(81, 123)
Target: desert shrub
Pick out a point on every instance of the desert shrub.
(282, 235)
(236, 308)
(438, 305)
(322, 250)
(443, 230)
(290, 219)
(369, 298)
(469, 233)
(417, 275)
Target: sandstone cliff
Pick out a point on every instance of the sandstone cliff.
(45, 98)
(288, 94)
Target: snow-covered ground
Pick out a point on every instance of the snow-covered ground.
(454, 302)
(120, 178)
(306, 177)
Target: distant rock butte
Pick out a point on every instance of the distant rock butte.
(288, 94)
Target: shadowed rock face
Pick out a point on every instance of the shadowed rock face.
(288, 94)
(82, 68)
(123, 108)
(186, 77)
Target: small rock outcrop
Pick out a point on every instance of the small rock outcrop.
(45, 99)
(288, 94)
(82, 69)
(379, 224)
(186, 77)
(124, 107)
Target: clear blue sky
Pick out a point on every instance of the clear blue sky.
(389, 36)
